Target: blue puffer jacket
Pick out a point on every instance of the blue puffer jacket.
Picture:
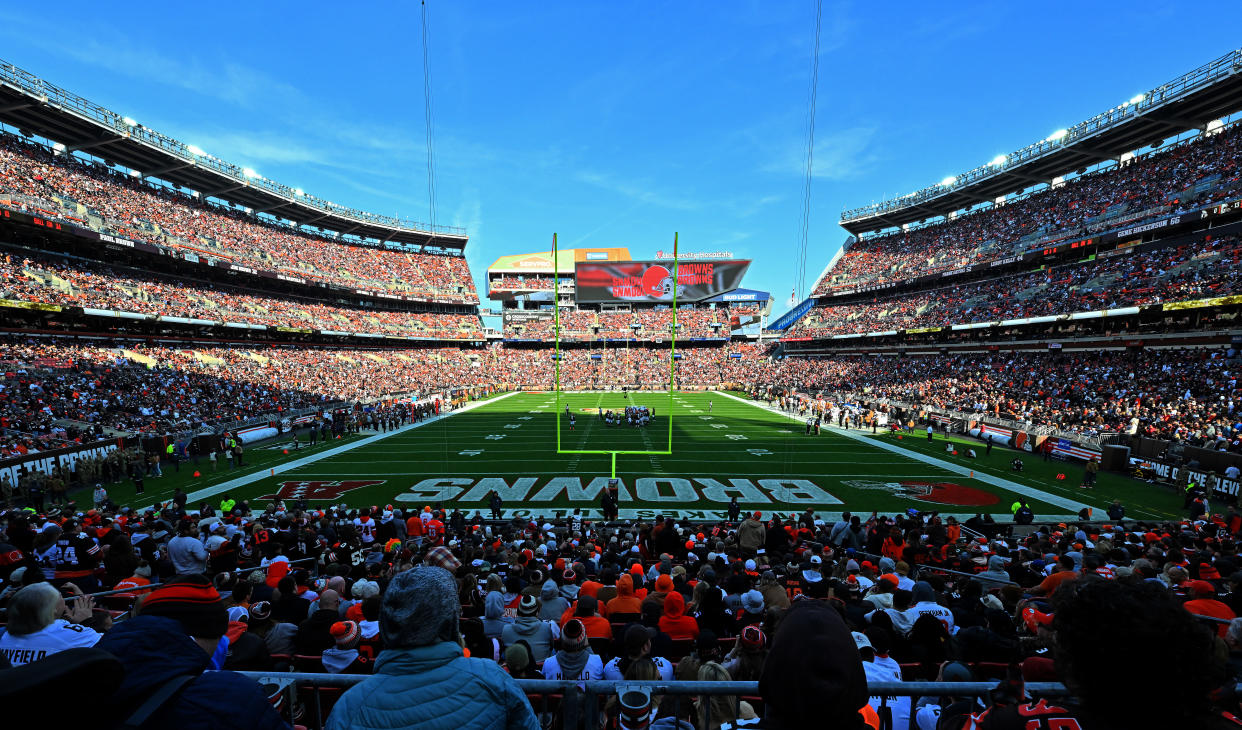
(154, 649)
(433, 688)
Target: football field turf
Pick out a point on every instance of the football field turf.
(722, 446)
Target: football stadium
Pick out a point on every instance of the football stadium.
(271, 461)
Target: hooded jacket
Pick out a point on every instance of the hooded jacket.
(626, 601)
(554, 604)
(433, 687)
(995, 576)
(153, 650)
(675, 622)
(813, 676)
(537, 634)
(494, 619)
(750, 534)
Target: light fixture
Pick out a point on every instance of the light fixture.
(1137, 98)
(1000, 159)
(948, 181)
(299, 192)
(195, 150)
(59, 147)
(1059, 134)
(129, 121)
(249, 172)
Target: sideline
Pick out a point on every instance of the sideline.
(995, 481)
(253, 477)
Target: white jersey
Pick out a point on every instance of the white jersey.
(57, 636)
(366, 530)
(593, 670)
(900, 706)
(926, 608)
(613, 671)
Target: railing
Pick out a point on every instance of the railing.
(289, 682)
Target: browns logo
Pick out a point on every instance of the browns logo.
(320, 490)
(938, 492)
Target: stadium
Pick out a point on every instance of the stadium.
(1009, 399)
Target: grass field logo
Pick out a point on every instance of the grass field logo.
(320, 489)
(938, 492)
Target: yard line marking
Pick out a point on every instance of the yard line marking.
(253, 477)
(995, 481)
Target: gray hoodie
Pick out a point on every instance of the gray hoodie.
(536, 633)
(494, 619)
(996, 575)
(554, 604)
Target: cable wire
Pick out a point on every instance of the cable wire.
(431, 155)
(805, 221)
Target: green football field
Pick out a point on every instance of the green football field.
(722, 446)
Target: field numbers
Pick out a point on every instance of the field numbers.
(720, 425)
(513, 425)
(736, 436)
(470, 452)
(494, 437)
(759, 452)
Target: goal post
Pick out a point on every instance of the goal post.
(556, 365)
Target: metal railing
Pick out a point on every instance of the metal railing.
(1164, 94)
(596, 690)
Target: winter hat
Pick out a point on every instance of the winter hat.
(574, 636)
(444, 558)
(194, 602)
(663, 584)
(529, 606)
(260, 611)
(517, 658)
(851, 566)
(345, 633)
(752, 601)
(753, 637)
(238, 613)
(419, 608)
(364, 589)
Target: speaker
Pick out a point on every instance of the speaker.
(1115, 458)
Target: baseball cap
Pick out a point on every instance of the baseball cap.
(861, 641)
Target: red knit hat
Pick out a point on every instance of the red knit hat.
(345, 633)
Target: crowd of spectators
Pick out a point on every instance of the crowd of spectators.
(1194, 270)
(513, 283)
(81, 283)
(52, 391)
(646, 324)
(444, 609)
(139, 210)
(1189, 396)
(1146, 186)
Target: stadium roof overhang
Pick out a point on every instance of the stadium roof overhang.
(1207, 93)
(38, 108)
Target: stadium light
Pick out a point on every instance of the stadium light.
(129, 121)
(1214, 125)
(195, 150)
(248, 172)
(299, 192)
(1137, 98)
(59, 147)
(1059, 134)
(948, 181)
(1000, 160)
(1127, 156)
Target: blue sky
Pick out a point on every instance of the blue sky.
(615, 124)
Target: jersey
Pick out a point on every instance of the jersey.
(79, 555)
(366, 529)
(612, 670)
(56, 636)
(435, 531)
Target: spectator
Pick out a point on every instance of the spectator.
(40, 623)
(421, 677)
(168, 646)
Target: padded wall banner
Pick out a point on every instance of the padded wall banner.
(652, 281)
